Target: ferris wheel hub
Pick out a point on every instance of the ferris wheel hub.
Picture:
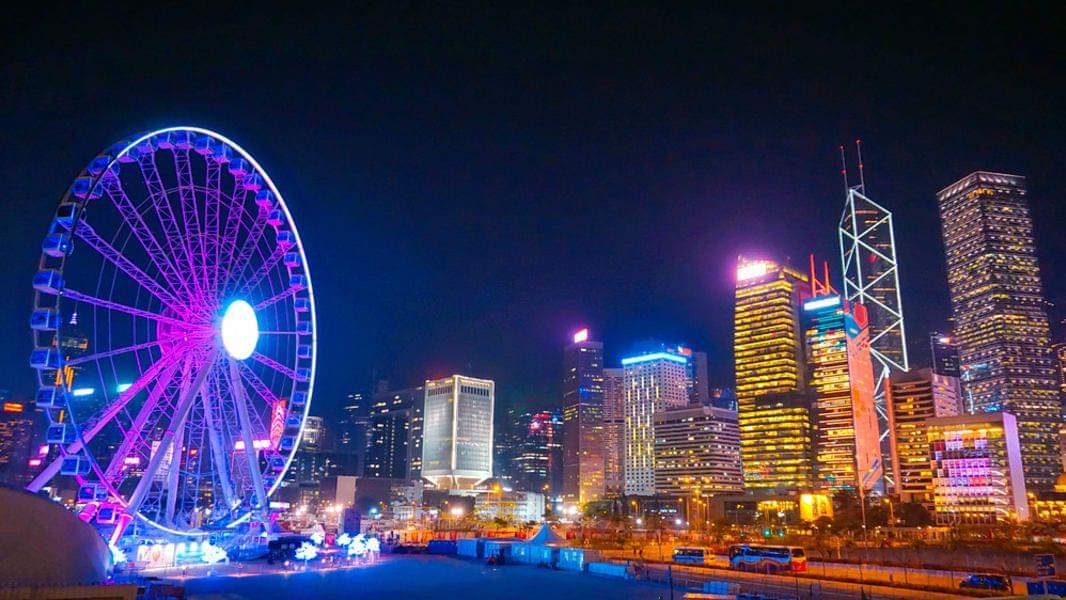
(240, 330)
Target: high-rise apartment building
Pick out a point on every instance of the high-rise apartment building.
(912, 398)
(653, 382)
(977, 470)
(457, 438)
(847, 443)
(1001, 325)
(583, 450)
(768, 352)
(614, 423)
(697, 452)
(777, 444)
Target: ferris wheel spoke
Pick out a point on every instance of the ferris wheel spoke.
(228, 243)
(109, 353)
(105, 417)
(278, 297)
(262, 271)
(255, 233)
(212, 223)
(111, 305)
(86, 233)
(240, 398)
(273, 364)
(166, 442)
(159, 257)
(190, 215)
(257, 384)
(135, 434)
(172, 233)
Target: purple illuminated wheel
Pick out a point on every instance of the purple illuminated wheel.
(174, 335)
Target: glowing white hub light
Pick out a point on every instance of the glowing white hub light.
(240, 330)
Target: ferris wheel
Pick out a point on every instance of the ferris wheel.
(174, 335)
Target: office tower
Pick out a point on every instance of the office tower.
(394, 434)
(847, 444)
(653, 382)
(977, 469)
(614, 422)
(698, 387)
(583, 419)
(457, 432)
(913, 397)
(1001, 326)
(314, 434)
(532, 465)
(767, 342)
(351, 429)
(777, 444)
(697, 452)
(945, 354)
(508, 436)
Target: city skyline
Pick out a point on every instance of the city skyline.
(722, 174)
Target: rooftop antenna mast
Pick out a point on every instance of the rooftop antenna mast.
(862, 178)
(844, 169)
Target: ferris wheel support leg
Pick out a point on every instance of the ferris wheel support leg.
(174, 471)
(52, 469)
(218, 453)
(166, 442)
(241, 400)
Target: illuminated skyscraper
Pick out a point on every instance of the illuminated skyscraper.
(532, 465)
(767, 344)
(314, 436)
(653, 382)
(871, 278)
(583, 420)
(614, 423)
(457, 438)
(697, 452)
(351, 430)
(1001, 326)
(777, 443)
(914, 397)
(847, 445)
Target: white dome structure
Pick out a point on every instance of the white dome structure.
(42, 543)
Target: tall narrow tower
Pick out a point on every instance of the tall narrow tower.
(871, 278)
(583, 450)
(1002, 327)
(768, 358)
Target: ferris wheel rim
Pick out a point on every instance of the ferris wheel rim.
(239, 151)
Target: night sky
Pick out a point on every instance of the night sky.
(473, 184)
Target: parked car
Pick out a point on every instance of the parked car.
(987, 582)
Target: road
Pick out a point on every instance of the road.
(804, 588)
(867, 573)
